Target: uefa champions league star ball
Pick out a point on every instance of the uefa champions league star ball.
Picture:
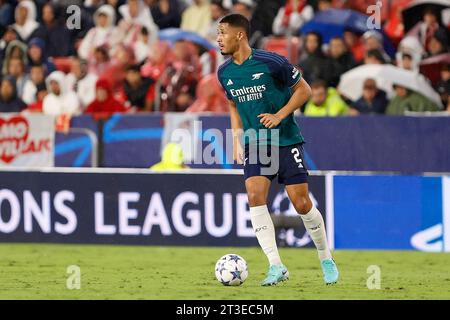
(231, 270)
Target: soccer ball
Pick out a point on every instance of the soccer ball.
(231, 270)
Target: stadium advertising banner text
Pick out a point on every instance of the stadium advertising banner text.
(152, 209)
(26, 140)
(361, 211)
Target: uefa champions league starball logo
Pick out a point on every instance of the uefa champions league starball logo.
(231, 270)
(291, 237)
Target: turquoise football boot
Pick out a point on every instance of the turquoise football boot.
(275, 275)
(330, 271)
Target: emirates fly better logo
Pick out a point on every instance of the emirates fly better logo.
(246, 94)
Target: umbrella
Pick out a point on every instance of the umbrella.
(431, 67)
(175, 34)
(413, 13)
(333, 23)
(385, 76)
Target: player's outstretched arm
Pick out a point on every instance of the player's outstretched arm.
(236, 126)
(300, 95)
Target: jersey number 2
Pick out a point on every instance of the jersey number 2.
(297, 158)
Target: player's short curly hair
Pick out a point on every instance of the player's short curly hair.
(238, 21)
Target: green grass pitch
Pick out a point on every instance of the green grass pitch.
(38, 271)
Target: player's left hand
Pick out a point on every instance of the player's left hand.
(269, 120)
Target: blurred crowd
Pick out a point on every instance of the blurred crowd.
(102, 57)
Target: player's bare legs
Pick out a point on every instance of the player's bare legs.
(314, 224)
(257, 191)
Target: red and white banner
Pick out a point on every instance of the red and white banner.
(26, 140)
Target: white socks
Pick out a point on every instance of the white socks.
(315, 226)
(265, 233)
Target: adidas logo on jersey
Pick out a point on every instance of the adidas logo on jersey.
(229, 83)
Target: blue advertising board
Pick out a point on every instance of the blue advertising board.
(365, 143)
(136, 207)
(392, 212)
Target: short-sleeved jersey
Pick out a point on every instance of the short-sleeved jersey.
(262, 84)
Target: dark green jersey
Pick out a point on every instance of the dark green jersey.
(262, 84)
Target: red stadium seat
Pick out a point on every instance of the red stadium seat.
(62, 63)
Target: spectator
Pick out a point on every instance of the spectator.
(409, 54)
(407, 62)
(37, 77)
(25, 16)
(137, 91)
(443, 86)
(408, 100)
(8, 36)
(218, 10)
(374, 57)
(142, 46)
(340, 60)
(313, 62)
(157, 62)
(100, 61)
(172, 158)
(292, 17)
(437, 44)
(210, 96)
(99, 35)
(429, 25)
(394, 26)
(323, 5)
(16, 49)
(116, 69)
(116, 5)
(181, 78)
(136, 15)
(36, 50)
(41, 93)
(91, 6)
(197, 17)
(104, 101)
(81, 81)
(166, 14)
(263, 15)
(247, 8)
(325, 102)
(372, 101)
(353, 41)
(373, 40)
(244, 7)
(60, 100)
(16, 68)
(9, 101)
(6, 13)
(56, 35)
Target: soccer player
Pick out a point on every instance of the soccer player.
(264, 90)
